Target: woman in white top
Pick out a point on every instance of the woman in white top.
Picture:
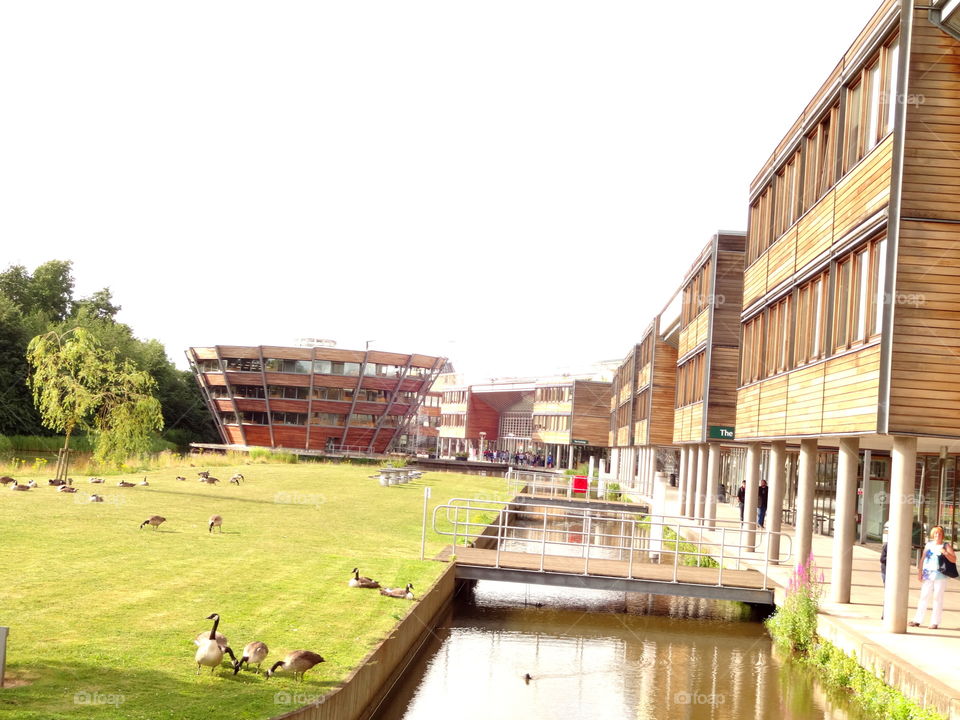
(932, 580)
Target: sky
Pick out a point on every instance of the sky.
(519, 186)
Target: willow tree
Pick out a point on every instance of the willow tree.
(78, 384)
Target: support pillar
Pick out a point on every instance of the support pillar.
(845, 523)
(748, 536)
(777, 476)
(803, 538)
(701, 481)
(682, 484)
(713, 483)
(903, 472)
(692, 458)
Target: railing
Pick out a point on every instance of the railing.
(553, 486)
(637, 535)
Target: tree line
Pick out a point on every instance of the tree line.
(43, 303)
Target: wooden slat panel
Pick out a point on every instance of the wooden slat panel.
(782, 259)
(640, 433)
(722, 408)
(664, 394)
(815, 232)
(772, 412)
(865, 190)
(805, 397)
(748, 411)
(851, 392)
(755, 280)
(728, 297)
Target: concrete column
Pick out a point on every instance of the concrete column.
(570, 458)
(777, 476)
(692, 459)
(845, 523)
(701, 481)
(651, 469)
(615, 463)
(682, 485)
(713, 483)
(803, 537)
(903, 472)
(748, 538)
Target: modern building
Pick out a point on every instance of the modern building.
(562, 418)
(849, 381)
(313, 398)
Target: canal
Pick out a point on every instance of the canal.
(594, 654)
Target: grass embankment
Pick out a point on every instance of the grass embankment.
(102, 614)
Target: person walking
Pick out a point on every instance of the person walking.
(933, 582)
(762, 493)
(741, 497)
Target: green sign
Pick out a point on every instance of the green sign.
(578, 442)
(720, 432)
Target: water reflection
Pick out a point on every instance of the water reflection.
(593, 654)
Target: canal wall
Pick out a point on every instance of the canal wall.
(363, 690)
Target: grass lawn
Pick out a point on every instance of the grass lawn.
(102, 614)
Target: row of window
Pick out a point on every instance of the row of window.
(290, 392)
(825, 153)
(690, 381)
(320, 367)
(552, 394)
(454, 397)
(696, 295)
(551, 423)
(248, 417)
(458, 420)
(794, 331)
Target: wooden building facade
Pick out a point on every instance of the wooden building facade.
(312, 398)
(851, 307)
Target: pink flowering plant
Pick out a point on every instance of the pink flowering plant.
(794, 625)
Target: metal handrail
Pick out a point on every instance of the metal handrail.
(457, 513)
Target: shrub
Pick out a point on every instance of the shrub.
(794, 625)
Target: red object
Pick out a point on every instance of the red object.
(580, 483)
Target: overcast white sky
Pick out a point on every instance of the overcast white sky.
(519, 186)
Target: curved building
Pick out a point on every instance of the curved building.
(312, 398)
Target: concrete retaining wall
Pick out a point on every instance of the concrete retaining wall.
(363, 690)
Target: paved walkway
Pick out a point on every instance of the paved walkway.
(929, 655)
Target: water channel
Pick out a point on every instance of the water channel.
(596, 654)
(599, 654)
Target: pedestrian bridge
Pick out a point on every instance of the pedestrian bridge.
(572, 545)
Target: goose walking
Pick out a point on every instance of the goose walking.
(358, 581)
(399, 593)
(253, 653)
(215, 521)
(298, 662)
(209, 650)
(155, 520)
(236, 479)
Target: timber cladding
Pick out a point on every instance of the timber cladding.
(664, 394)
(590, 419)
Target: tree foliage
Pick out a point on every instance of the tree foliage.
(78, 384)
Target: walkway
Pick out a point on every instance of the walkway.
(922, 659)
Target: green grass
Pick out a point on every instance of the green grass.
(97, 606)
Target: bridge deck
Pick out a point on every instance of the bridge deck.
(603, 574)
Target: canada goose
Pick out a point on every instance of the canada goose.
(205, 635)
(209, 650)
(527, 678)
(215, 521)
(31, 483)
(236, 479)
(155, 520)
(253, 652)
(66, 489)
(5, 480)
(55, 482)
(97, 480)
(124, 483)
(21, 488)
(181, 478)
(299, 661)
(203, 473)
(144, 482)
(359, 581)
(96, 498)
(209, 480)
(400, 593)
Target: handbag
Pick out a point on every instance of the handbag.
(946, 567)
